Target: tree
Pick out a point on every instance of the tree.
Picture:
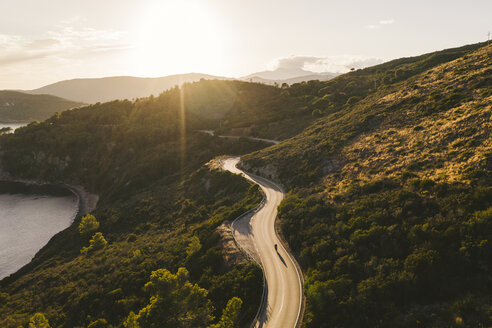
(39, 321)
(88, 224)
(194, 246)
(6, 129)
(174, 301)
(97, 242)
(230, 314)
(131, 321)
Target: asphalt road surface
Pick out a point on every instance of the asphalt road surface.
(284, 287)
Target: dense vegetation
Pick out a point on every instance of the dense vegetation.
(75, 282)
(122, 145)
(390, 201)
(388, 209)
(160, 208)
(22, 107)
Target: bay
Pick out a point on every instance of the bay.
(27, 223)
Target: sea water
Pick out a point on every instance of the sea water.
(27, 223)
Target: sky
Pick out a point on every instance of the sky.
(42, 42)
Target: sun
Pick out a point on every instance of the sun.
(176, 37)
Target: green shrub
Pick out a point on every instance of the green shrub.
(97, 242)
(88, 224)
(352, 100)
(38, 321)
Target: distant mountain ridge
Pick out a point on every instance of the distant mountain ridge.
(288, 75)
(93, 90)
(21, 107)
(315, 76)
(280, 73)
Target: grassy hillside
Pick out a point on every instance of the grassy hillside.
(390, 202)
(284, 112)
(22, 107)
(342, 120)
(345, 90)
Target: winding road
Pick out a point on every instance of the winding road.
(210, 132)
(282, 308)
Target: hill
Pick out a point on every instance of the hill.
(292, 80)
(127, 87)
(146, 162)
(21, 107)
(388, 210)
(119, 87)
(160, 209)
(287, 75)
(280, 73)
(389, 207)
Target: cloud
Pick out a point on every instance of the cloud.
(387, 21)
(332, 64)
(18, 58)
(381, 23)
(67, 33)
(61, 43)
(294, 62)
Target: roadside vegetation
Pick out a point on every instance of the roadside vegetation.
(388, 210)
(159, 212)
(390, 199)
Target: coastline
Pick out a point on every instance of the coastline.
(86, 201)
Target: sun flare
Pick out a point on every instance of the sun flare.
(184, 33)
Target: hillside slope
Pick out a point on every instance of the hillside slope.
(21, 107)
(160, 209)
(119, 87)
(390, 201)
(388, 172)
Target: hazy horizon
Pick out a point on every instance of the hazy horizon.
(154, 38)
